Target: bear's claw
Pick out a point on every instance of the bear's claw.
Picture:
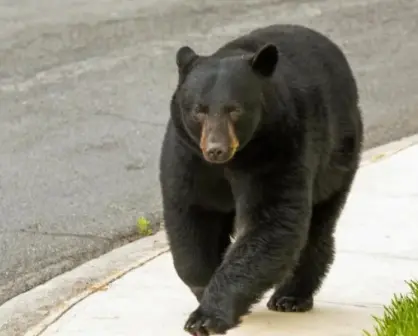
(201, 324)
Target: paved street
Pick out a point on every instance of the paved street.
(84, 92)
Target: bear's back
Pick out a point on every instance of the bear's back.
(307, 57)
(318, 75)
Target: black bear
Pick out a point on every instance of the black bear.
(263, 143)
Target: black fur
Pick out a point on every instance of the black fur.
(300, 132)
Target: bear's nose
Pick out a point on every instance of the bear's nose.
(216, 152)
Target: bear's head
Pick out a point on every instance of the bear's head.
(220, 98)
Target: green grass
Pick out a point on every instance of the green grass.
(400, 317)
(144, 226)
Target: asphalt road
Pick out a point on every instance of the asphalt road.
(84, 92)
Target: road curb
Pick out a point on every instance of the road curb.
(30, 313)
(379, 153)
(157, 245)
(60, 310)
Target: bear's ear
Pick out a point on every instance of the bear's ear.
(185, 55)
(265, 60)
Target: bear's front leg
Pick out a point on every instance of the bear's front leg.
(198, 239)
(273, 219)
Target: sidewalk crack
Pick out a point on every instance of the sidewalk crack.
(379, 254)
(358, 305)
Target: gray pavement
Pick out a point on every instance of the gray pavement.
(84, 91)
(377, 251)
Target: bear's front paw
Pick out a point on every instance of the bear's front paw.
(203, 322)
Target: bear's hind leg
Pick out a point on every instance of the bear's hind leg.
(296, 294)
(198, 239)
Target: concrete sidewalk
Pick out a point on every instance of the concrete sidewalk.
(377, 244)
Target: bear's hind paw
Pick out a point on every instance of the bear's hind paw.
(290, 304)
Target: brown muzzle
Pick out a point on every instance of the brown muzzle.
(218, 140)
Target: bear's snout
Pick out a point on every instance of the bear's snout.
(218, 141)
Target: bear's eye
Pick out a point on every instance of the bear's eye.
(199, 113)
(234, 112)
